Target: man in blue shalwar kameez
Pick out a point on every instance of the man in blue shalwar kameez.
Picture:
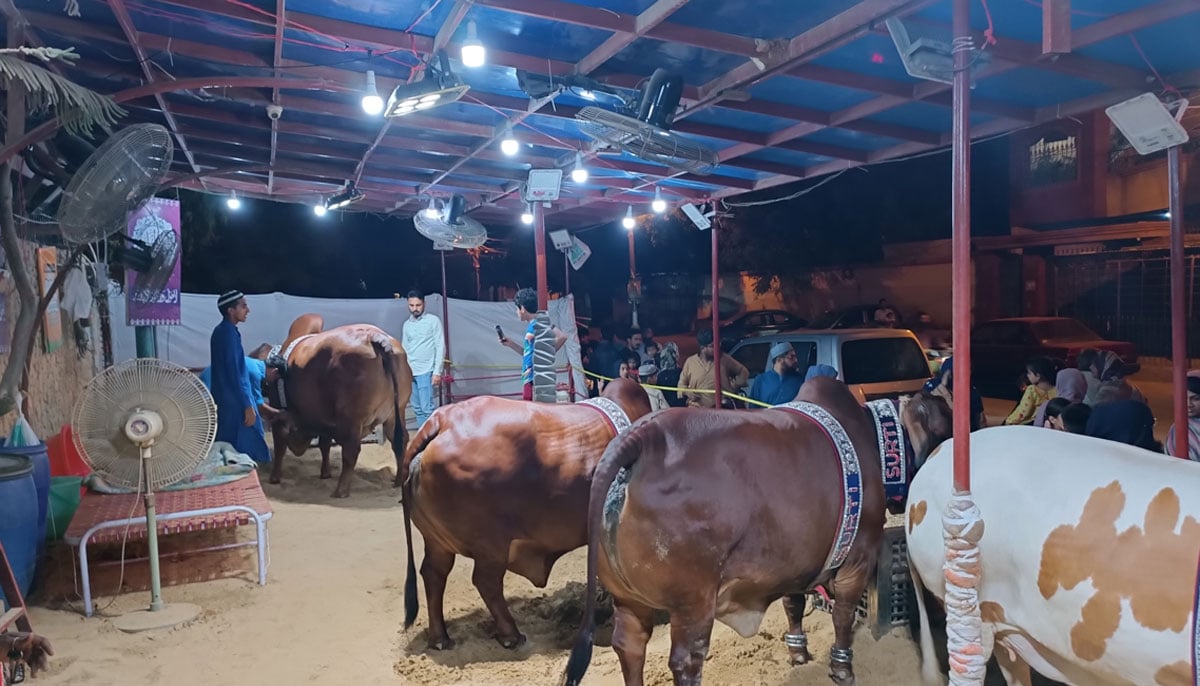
(238, 422)
(780, 382)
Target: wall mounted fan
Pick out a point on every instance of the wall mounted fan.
(646, 133)
(117, 179)
(450, 225)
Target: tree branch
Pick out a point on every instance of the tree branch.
(27, 318)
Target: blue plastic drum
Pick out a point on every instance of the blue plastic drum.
(19, 517)
(41, 480)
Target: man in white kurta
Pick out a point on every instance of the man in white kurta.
(425, 344)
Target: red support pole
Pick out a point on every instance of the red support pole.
(961, 245)
(539, 246)
(1179, 351)
(716, 321)
(444, 391)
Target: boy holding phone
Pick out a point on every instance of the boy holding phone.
(526, 301)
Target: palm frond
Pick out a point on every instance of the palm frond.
(79, 109)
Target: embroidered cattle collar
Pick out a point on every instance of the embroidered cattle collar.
(851, 477)
(612, 413)
(895, 452)
(280, 383)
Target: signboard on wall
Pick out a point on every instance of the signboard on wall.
(146, 224)
(47, 269)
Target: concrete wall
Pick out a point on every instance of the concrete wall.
(55, 379)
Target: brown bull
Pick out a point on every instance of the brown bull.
(718, 513)
(504, 482)
(338, 385)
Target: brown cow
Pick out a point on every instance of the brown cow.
(715, 514)
(339, 385)
(504, 482)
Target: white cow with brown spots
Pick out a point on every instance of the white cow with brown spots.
(1089, 556)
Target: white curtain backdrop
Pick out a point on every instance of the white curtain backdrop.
(482, 366)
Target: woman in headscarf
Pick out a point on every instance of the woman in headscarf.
(1124, 421)
(1193, 423)
(942, 385)
(1112, 372)
(1069, 385)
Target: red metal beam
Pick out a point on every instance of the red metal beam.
(1131, 21)
(962, 299)
(131, 35)
(47, 128)
(1056, 27)
(831, 34)
(654, 15)
(1018, 53)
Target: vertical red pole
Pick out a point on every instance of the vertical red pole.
(1179, 351)
(444, 389)
(716, 321)
(961, 245)
(539, 246)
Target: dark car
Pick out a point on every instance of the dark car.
(754, 322)
(855, 317)
(1001, 348)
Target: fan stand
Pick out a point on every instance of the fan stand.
(159, 615)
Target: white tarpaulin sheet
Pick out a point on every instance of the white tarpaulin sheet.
(481, 365)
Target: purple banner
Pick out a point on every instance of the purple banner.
(156, 216)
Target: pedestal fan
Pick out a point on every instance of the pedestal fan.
(145, 424)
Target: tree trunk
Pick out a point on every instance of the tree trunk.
(26, 294)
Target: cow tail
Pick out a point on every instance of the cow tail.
(411, 602)
(929, 668)
(621, 452)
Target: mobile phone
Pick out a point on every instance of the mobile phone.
(500, 332)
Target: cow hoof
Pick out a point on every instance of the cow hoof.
(842, 675)
(274, 479)
(801, 657)
(326, 475)
(442, 644)
(340, 494)
(511, 642)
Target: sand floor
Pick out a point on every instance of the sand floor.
(332, 612)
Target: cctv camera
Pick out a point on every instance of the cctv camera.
(274, 112)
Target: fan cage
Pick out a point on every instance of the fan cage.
(469, 234)
(120, 176)
(148, 285)
(187, 409)
(646, 141)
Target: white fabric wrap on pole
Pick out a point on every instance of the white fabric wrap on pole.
(962, 530)
(544, 377)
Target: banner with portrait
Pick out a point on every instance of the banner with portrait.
(145, 225)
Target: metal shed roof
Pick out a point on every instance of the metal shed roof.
(782, 90)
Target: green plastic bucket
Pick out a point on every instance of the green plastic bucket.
(64, 500)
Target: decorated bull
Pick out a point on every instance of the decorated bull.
(715, 514)
(504, 482)
(1088, 556)
(338, 385)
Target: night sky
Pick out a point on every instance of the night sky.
(268, 246)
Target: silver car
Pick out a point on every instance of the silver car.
(875, 363)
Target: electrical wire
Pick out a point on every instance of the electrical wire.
(786, 198)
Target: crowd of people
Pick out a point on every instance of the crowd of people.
(1094, 398)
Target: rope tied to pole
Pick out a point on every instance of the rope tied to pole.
(962, 528)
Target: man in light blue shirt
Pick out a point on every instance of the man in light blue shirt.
(425, 344)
